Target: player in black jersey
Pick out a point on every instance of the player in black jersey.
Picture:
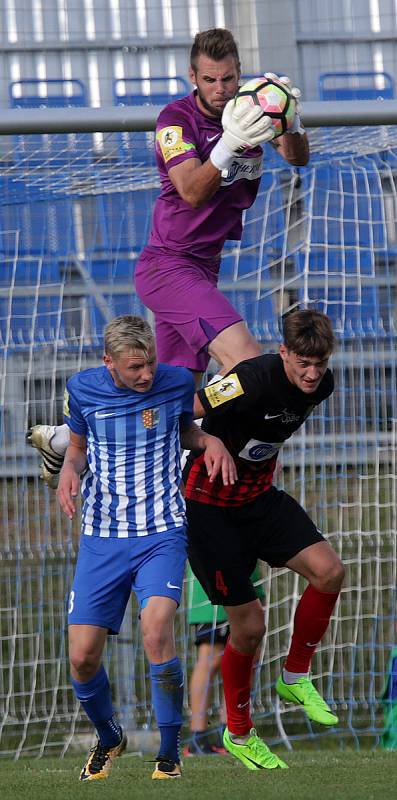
(254, 409)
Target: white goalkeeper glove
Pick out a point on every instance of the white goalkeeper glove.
(244, 126)
(296, 93)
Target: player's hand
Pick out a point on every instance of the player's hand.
(245, 126)
(296, 94)
(218, 461)
(68, 489)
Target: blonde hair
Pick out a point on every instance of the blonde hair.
(128, 333)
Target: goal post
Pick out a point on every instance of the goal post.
(73, 219)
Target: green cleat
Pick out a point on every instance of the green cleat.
(254, 754)
(303, 693)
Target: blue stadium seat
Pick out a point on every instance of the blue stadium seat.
(41, 150)
(126, 219)
(117, 304)
(138, 147)
(259, 314)
(355, 85)
(25, 321)
(28, 271)
(348, 238)
(34, 224)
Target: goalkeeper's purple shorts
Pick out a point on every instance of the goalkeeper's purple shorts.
(189, 310)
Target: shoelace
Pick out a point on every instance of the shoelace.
(100, 757)
(313, 695)
(260, 748)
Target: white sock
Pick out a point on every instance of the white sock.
(60, 440)
(293, 677)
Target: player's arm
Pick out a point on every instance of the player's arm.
(195, 182)
(69, 480)
(217, 458)
(244, 127)
(198, 408)
(294, 147)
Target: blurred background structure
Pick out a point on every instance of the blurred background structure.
(75, 211)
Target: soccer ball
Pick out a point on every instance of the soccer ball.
(273, 97)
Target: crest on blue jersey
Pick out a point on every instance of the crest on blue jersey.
(150, 417)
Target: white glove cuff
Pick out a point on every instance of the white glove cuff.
(221, 156)
(296, 126)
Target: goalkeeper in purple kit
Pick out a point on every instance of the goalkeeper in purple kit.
(209, 157)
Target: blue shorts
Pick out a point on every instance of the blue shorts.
(108, 569)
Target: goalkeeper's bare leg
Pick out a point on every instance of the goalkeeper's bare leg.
(52, 442)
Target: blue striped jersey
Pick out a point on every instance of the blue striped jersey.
(133, 450)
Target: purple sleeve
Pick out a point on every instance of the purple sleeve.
(175, 137)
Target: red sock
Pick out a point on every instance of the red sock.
(310, 623)
(237, 679)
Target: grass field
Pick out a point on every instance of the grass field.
(324, 775)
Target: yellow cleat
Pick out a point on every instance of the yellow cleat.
(100, 760)
(166, 769)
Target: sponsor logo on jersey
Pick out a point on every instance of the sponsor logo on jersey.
(150, 417)
(226, 389)
(255, 450)
(171, 142)
(66, 403)
(249, 168)
(288, 416)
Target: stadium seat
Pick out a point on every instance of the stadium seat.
(126, 220)
(139, 147)
(356, 85)
(117, 304)
(26, 320)
(34, 224)
(50, 150)
(348, 238)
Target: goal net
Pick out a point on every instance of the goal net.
(75, 213)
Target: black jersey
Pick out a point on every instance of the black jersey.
(253, 409)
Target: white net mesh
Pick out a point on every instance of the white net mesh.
(73, 222)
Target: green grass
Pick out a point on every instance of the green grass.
(325, 775)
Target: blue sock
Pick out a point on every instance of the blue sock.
(94, 696)
(167, 699)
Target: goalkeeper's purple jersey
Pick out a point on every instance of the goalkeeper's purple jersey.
(183, 132)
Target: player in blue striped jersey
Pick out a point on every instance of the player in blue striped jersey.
(128, 420)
